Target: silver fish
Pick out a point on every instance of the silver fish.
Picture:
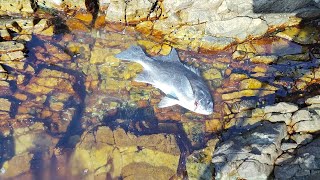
(182, 84)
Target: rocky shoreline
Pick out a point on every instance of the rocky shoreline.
(69, 109)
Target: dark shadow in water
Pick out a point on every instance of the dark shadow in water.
(7, 148)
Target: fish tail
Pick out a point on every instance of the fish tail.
(134, 54)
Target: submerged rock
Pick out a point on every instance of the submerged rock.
(113, 152)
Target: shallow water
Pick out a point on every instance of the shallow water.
(69, 84)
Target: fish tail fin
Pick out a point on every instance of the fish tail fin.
(134, 54)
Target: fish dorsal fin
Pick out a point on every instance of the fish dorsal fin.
(193, 69)
(167, 101)
(172, 56)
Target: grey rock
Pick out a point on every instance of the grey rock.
(302, 164)
(251, 155)
(282, 107)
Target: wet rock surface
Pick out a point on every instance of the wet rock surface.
(69, 109)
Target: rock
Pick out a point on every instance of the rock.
(264, 59)
(129, 12)
(212, 74)
(48, 80)
(250, 84)
(301, 115)
(250, 155)
(15, 7)
(9, 46)
(287, 146)
(4, 34)
(60, 5)
(281, 107)
(140, 170)
(306, 35)
(199, 164)
(300, 166)
(5, 105)
(243, 105)
(123, 151)
(18, 165)
(312, 125)
(313, 100)
(245, 93)
(274, 117)
(235, 28)
(302, 138)
(5, 89)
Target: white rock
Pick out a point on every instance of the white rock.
(286, 118)
(313, 100)
(239, 27)
(281, 107)
(310, 126)
(301, 115)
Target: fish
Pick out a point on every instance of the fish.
(182, 84)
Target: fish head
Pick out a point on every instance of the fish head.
(203, 102)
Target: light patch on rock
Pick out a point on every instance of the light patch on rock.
(282, 107)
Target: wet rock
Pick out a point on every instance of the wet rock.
(43, 28)
(250, 84)
(281, 107)
(140, 170)
(9, 46)
(264, 59)
(113, 152)
(48, 80)
(5, 105)
(212, 74)
(15, 7)
(306, 35)
(303, 165)
(199, 164)
(245, 93)
(16, 166)
(243, 105)
(5, 89)
(251, 155)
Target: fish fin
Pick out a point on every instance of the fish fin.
(193, 69)
(167, 101)
(172, 56)
(188, 87)
(134, 53)
(144, 77)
